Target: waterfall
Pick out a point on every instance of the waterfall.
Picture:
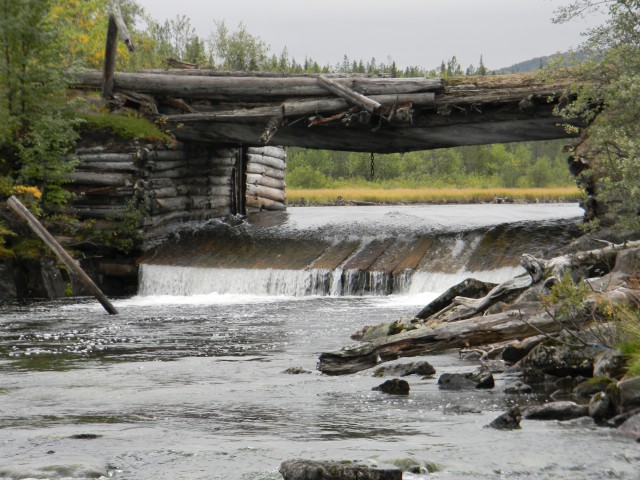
(345, 260)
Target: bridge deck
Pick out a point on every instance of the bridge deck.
(414, 114)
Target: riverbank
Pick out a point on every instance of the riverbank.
(360, 195)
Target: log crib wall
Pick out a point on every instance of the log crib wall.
(176, 187)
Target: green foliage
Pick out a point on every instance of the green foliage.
(124, 231)
(591, 318)
(126, 127)
(607, 92)
(44, 152)
(532, 164)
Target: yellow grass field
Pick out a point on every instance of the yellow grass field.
(328, 196)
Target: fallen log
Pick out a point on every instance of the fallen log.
(349, 95)
(475, 331)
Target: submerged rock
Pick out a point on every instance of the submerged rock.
(518, 387)
(556, 411)
(295, 371)
(509, 420)
(394, 386)
(327, 470)
(402, 370)
(461, 381)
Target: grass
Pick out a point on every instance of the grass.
(130, 128)
(328, 196)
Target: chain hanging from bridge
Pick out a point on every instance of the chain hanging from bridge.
(373, 166)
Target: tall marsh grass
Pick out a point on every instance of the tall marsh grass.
(326, 196)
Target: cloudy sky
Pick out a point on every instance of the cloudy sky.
(412, 32)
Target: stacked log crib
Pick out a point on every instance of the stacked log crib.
(175, 187)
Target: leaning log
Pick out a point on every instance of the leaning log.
(349, 95)
(116, 26)
(51, 242)
(475, 331)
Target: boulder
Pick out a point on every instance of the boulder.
(461, 381)
(601, 406)
(327, 470)
(623, 417)
(516, 351)
(561, 360)
(591, 386)
(556, 411)
(610, 363)
(631, 427)
(629, 391)
(423, 368)
(394, 386)
(509, 420)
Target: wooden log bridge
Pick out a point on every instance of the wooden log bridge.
(353, 113)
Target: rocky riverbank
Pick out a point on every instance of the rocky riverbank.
(553, 331)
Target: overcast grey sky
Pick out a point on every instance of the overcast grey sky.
(412, 32)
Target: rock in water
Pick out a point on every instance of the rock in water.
(461, 381)
(629, 393)
(404, 369)
(631, 427)
(556, 411)
(509, 420)
(394, 386)
(313, 470)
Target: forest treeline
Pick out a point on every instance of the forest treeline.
(526, 165)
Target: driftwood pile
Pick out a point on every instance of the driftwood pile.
(493, 317)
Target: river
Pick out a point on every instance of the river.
(194, 386)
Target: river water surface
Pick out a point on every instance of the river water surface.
(194, 387)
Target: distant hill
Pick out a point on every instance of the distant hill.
(539, 62)
(528, 65)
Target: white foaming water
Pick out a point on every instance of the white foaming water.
(172, 282)
(438, 282)
(182, 281)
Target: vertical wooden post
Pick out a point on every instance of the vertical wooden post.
(116, 26)
(51, 242)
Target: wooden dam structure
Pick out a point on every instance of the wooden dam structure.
(232, 130)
